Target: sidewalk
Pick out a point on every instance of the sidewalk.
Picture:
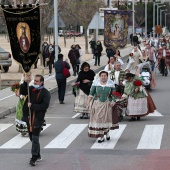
(8, 100)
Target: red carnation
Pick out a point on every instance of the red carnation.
(137, 83)
(33, 90)
(116, 94)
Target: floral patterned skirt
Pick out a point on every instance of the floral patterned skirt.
(81, 102)
(102, 119)
(21, 126)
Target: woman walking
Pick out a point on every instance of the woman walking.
(85, 79)
(101, 117)
(140, 102)
(80, 58)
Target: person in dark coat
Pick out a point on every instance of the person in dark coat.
(135, 40)
(38, 105)
(92, 45)
(131, 38)
(110, 52)
(51, 57)
(74, 56)
(44, 52)
(85, 79)
(61, 80)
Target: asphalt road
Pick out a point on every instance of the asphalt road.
(65, 145)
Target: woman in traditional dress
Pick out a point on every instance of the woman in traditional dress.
(118, 57)
(85, 79)
(101, 117)
(140, 102)
(21, 126)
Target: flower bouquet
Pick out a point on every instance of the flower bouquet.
(116, 96)
(138, 84)
(15, 87)
(75, 88)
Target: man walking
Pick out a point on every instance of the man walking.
(34, 112)
(61, 80)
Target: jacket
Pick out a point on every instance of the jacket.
(58, 65)
(73, 55)
(39, 105)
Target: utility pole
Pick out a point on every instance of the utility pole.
(133, 10)
(146, 18)
(56, 28)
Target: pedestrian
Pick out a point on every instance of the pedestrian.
(80, 58)
(37, 106)
(85, 79)
(140, 102)
(101, 116)
(110, 66)
(21, 126)
(118, 76)
(74, 56)
(118, 57)
(51, 57)
(44, 52)
(100, 49)
(135, 40)
(164, 60)
(131, 38)
(110, 52)
(92, 46)
(61, 80)
(150, 53)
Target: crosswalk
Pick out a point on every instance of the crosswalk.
(150, 138)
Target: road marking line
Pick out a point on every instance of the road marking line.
(155, 113)
(66, 137)
(114, 137)
(75, 115)
(18, 141)
(4, 127)
(151, 137)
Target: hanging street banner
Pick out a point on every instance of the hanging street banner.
(24, 33)
(116, 28)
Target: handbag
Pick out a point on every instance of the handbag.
(66, 72)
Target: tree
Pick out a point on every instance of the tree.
(83, 11)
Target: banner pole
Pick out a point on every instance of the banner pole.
(56, 28)
(30, 121)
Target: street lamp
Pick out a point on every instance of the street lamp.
(158, 13)
(56, 28)
(154, 4)
(165, 17)
(146, 19)
(161, 15)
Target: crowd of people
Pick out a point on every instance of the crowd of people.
(100, 97)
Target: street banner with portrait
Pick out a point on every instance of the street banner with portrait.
(116, 28)
(24, 33)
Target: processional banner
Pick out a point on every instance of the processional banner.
(116, 28)
(24, 33)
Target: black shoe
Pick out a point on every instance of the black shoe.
(61, 102)
(107, 136)
(44, 123)
(162, 74)
(138, 118)
(86, 116)
(39, 159)
(95, 64)
(133, 119)
(100, 140)
(32, 162)
(82, 116)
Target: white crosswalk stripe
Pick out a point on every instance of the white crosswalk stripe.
(151, 137)
(65, 138)
(4, 127)
(18, 141)
(114, 135)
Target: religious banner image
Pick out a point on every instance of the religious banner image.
(115, 28)
(24, 33)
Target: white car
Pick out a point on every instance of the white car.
(5, 59)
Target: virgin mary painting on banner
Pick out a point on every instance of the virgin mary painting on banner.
(116, 28)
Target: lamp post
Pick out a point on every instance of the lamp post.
(56, 28)
(165, 17)
(133, 10)
(158, 13)
(161, 15)
(154, 4)
(146, 19)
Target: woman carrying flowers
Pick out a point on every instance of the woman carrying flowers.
(81, 89)
(21, 126)
(140, 102)
(100, 103)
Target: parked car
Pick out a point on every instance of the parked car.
(5, 59)
(73, 33)
(61, 33)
